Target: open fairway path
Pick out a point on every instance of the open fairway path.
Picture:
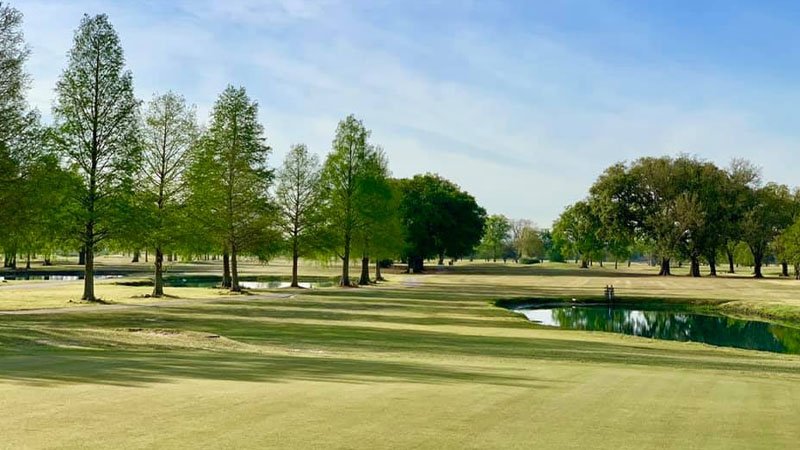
(428, 364)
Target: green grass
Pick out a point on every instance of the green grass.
(422, 361)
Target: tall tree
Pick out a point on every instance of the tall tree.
(344, 174)
(230, 179)
(386, 242)
(15, 117)
(299, 198)
(579, 227)
(375, 205)
(170, 130)
(496, 234)
(96, 120)
(21, 144)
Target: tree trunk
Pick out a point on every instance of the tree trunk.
(364, 280)
(665, 270)
(712, 263)
(757, 263)
(135, 256)
(416, 264)
(784, 269)
(345, 281)
(730, 261)
(441, 259)
(145, 256)
(88, 270)
(47, 261)
(234, 270)
(616, 264)
(158, 281)
(295, 258)
(28, 262)
(584, 264)
(378, 276)
(694, 268)
(226, 270)
(82, 256)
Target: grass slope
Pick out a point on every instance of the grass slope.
(422, 361)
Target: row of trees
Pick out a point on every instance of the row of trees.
(683, 208)
(110, 172)
(513, 239)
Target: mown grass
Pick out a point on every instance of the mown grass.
(423, 361)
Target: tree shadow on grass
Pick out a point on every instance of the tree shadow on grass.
(63, 349)
(145, 366)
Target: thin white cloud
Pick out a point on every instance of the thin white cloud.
(525, 123)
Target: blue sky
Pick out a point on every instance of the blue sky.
(522, 103)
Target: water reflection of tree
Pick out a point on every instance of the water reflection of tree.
(789, 337)
(680, 326)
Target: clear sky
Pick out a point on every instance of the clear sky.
(522, 103)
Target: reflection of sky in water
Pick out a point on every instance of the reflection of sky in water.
(541, 316)
(671, 325)
(273, 284)
(54, 277)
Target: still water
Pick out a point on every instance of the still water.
(54, 277)
(673, 325)
(246, 282)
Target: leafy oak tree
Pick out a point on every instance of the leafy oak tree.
(439, 219)
(771, 209)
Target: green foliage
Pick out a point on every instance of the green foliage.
(96, 118)
(526, 239)
(577, 231)
(229, 180)
(681, 206)
(439, 219)
(770, 209)
(357, 193)
(299, 199)
(495, 235)
(14, 114)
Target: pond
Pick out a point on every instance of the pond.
(246, 282)
(53, 277)
(209, 281)
(668, 324)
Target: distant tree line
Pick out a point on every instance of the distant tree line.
(684, 209)
(112, 173)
